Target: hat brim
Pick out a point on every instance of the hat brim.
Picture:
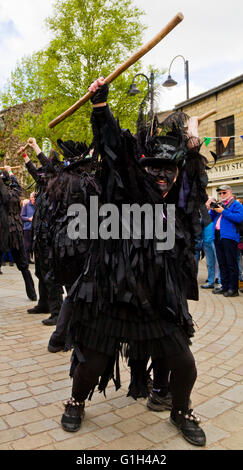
(82, 162)
(224, 189)
(156, 162)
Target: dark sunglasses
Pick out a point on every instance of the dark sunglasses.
(222, 192)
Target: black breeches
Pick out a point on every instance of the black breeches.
(160, 378)
(59, 335)
(27, 243)
(86, 374)
(183, 374)
(50, 292)
(20, 257)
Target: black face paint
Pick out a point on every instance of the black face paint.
(165, 176)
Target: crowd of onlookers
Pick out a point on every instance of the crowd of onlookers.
(221, 243)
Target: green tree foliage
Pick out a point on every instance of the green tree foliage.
(25, 83)
(90, 38)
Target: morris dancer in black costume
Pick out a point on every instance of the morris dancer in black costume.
(11, 227)
(160, 397)
(71, 186)
(130, 298)
(50, 291)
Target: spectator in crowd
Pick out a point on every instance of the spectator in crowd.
(27, 213)
(227, 217)
(239, 258)
(7, 257)
(25, 201)
(239, 254)
(240, 249)
(210, 254)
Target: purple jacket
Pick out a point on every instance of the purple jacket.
(27, 212)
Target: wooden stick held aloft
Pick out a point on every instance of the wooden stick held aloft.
(12, 167)
(24, 148)
(206, 115)
(134, 58)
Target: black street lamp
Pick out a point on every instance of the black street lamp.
(170, 82)
(133, 90)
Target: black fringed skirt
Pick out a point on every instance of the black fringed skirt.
(132, 301)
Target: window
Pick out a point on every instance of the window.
(224, 128)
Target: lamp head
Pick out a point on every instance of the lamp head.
(169, 82)
(133, 90)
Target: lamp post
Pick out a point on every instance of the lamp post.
(170, 82)
(133, 90)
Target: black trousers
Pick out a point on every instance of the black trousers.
(58, 336)
(20, 259)
(226, 251)
(27, 243)
(50, 292)
(182, 377)
(161, 378)
(183, 374)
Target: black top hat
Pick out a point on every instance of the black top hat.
(71, 149)
(75, 153)
(162, 149)
(79, 162)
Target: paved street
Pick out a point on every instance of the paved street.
(34, 383)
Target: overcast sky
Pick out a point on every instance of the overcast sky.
(210, 37)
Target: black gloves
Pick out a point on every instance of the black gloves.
(100, 95)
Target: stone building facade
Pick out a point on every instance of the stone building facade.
(227, 100)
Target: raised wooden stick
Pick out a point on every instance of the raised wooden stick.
(24, 148)
(206, 115)
(134, 58)
(12, 167)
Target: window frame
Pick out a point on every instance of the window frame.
(227, 152)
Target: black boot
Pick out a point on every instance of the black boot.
(38, 309)
(52, 320)
(29, 285)
(53, 348)
(157, 402)
(188, 423)
(73, 415)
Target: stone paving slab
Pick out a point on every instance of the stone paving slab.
(34, 383)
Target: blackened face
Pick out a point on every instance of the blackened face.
(165, 176)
